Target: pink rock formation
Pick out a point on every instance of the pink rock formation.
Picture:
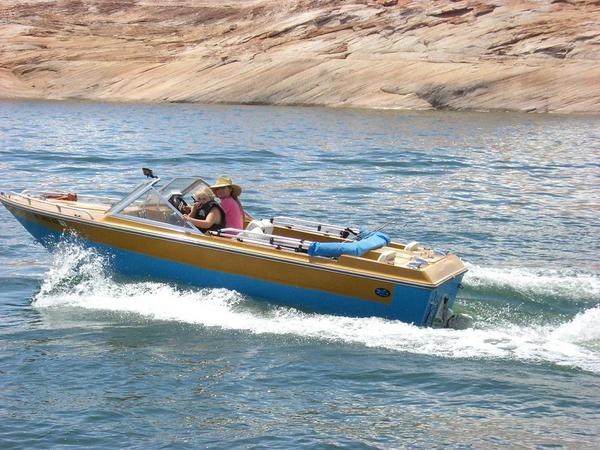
(520, 55)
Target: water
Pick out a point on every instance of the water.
(89, 358)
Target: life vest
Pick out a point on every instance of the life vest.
(205, 209)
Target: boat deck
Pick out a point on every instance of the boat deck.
(416, 263)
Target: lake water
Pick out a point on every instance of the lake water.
(91, 359)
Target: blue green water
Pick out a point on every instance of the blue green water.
(91, 359)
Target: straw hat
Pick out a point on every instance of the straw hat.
(224, 181)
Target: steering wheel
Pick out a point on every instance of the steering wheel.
(178, 202)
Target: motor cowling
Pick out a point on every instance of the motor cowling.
(459, 321)
(446, 318)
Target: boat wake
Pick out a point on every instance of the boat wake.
(79, 279)
(533, 283)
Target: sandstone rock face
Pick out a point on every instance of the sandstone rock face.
(536, 55)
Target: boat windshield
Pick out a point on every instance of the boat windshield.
(132, 196)
(149, 203)
(182, 185)
(151, 206)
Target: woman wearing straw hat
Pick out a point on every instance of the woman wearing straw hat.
(229, 194)
(206, 214)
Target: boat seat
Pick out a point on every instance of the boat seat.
(256, 232)
(413, 246)
(387, 257)
(261, 226)
(257, 229)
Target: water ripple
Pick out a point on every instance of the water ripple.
(89, 359)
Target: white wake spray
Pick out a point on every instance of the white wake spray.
(78, 279)
(566, 283)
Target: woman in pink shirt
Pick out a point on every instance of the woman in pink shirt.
(229, 194)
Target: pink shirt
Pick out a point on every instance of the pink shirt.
(233, 213)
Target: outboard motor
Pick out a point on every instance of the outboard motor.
(459, 321)
(446, 318)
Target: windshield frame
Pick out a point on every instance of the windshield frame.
(191, 187)
(133, 195)
(143, 189)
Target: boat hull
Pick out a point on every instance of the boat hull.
(282, 282)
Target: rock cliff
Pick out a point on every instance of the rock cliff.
(519, 55)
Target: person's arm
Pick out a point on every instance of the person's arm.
(213, 217)
(194, 209)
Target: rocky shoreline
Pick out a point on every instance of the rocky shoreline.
(534, 56)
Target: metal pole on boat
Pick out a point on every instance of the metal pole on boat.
(383, 226)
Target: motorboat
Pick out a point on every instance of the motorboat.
(304, 264)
